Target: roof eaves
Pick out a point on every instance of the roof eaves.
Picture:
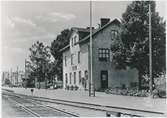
(63, 49)
(87, 37)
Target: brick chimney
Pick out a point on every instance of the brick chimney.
(104, 21)
(89, 28)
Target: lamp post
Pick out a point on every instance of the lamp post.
(91, 88)
(150, 51)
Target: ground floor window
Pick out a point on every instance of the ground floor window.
(66, 77)
(74, 77)
(86, 79)
(70, 77)
(80, 79)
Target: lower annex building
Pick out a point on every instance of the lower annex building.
(76, 58)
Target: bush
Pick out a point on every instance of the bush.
(127, 92)
(72, 87)
(76, 87)
(160, 86)
(67, 87)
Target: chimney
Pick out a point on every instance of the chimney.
(89, 28)
(104, 21)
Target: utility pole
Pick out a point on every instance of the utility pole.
(91, 88)
(150, 51)
(25, 83)
(17, 75)
(11, 75)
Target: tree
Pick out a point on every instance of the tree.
(135, 42)
(61, 41)
(39, 61)
(7, 81)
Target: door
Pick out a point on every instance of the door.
(86, 80)
(104, 79)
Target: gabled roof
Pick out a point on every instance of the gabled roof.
(95, 32)
(115, 21)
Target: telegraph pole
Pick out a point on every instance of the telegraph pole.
(150, 51)
(17, 75)
(11, 76)
(91, 91)
(25, 74)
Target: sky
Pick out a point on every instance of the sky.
(24, 23)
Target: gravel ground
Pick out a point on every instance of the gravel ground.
(144, 103)
(12, 110)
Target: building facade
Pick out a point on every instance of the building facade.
(15, 78)
(76, 59)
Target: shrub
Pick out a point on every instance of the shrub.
(67, 87)
(72, 87)
(76, 87)
(127, 92)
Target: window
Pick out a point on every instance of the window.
(86, 74)
(74, 77)
(114, 34)
(104, 54)
(78, 56)
(66, 79)
(72, 42)
(70, 77)
(65, 59)
(72, 56)
(86, 80)
(80, 79)
(75, 39)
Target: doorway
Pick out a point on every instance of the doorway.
(104, 79)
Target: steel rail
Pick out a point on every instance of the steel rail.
(23, 107)
(122, 110)
(37, 103)
(137, 112)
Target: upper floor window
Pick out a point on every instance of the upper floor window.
(80, 78)
(65, 59)
(86, 74)
(104, 54)
(72, 42)
(114, 34)
(75, 39)
(72, 59)
(79, 54)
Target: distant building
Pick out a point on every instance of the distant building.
(76, 58)
(5, 76)
(15, 78)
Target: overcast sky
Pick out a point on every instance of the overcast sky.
(24, 23)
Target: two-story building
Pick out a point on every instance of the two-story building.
(76, 58)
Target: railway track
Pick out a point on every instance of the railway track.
(35, 108)
(109, 110)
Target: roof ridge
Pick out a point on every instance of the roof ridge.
(95, 31)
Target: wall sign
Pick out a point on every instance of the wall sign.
(74, 67)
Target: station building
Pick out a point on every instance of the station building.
(76, 58)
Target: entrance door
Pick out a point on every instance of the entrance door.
(86, 80)
(104, 79)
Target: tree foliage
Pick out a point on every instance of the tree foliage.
(7, 81)
(39, 60)
(61, 41)
(134, 50)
